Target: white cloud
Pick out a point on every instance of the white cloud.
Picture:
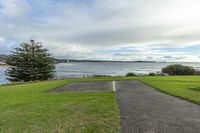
(13, 7)
(2, 40)
(76, 29)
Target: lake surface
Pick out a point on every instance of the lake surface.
(71, 70)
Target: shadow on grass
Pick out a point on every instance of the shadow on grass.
(195, 89)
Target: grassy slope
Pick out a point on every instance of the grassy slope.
(30, 108)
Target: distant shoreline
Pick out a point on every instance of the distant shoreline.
(3, 65)
(97, 61)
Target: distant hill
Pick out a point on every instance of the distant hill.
(3, 58)
(74, 61)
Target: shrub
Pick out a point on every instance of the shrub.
(130, 74)
(98, 76)
(197, 72)
(152, 74)
(178, 69)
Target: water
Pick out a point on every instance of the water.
(71, 70)
(2, 75)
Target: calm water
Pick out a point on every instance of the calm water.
(68, 70)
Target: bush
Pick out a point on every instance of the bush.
(98, 76)
(178, 69)
(130, 74)
(197, 72)
(152, 74)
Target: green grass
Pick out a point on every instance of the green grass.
(179, 86)
(195, 88)
(31, 108)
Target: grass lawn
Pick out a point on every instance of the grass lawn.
(31, 108)
(185, 87)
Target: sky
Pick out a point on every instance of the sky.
(127, 30)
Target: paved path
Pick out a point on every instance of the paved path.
(86, 87)
(145, 110)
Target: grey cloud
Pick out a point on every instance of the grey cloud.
(181, 57)
(124, 54)
(149, 58)
(168, 57)
(174, 57)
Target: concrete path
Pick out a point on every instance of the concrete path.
(145, 110)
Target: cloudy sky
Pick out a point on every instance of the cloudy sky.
(105, 29)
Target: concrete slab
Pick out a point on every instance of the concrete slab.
(86, 87)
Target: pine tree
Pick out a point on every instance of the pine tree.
(30, 62)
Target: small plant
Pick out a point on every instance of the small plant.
(130, 74)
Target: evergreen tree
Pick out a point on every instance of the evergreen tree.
(30, 62)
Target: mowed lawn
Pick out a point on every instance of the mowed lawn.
(31, 108)
(185, 87)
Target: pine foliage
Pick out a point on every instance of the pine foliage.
(30, 62)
